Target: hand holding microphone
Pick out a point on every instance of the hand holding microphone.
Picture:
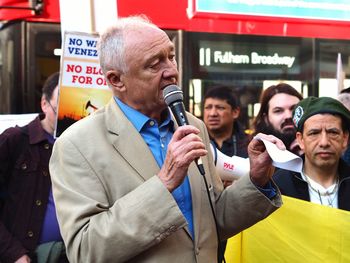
(184, 147)
(173, 97)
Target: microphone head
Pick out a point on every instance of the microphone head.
(171, 94)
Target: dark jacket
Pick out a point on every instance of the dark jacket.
(237, 144)
(24, 188)
(291, 184)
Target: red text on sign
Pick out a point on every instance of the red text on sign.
(228, 166)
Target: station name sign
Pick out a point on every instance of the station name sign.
(228, 57)
(225, 56)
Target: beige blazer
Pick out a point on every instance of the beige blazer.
(112, 207)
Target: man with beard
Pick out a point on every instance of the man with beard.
(275, 115)
(322, 132)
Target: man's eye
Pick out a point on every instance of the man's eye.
(154, 65)
(313, 133)
(333, 134)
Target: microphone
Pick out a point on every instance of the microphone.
(173, 97)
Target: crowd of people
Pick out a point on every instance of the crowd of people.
(122, 184)
(320, 139)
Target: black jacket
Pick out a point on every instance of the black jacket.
(291, 184)
(237, 144)
(24, 188)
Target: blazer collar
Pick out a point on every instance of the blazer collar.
(128, 142)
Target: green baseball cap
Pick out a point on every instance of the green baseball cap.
(313, 105)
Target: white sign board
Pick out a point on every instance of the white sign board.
(11, 120)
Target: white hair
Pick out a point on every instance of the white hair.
(111, 48)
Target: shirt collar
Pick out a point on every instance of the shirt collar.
(138, 119)
(35, 130)
(135, 117)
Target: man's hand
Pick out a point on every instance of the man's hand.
(23, 259)
(185, 147)
(261, 169)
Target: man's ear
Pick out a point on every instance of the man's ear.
(43, 104)
(115, 80)
(236, 112)
(346, 139)
(266, 119)
(299, 137)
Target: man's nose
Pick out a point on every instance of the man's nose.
(170, 70)
(213, 111)
(324, 141)
(288, 114)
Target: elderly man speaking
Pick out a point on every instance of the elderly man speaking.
(124, 178)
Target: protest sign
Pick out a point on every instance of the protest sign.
(83, 88)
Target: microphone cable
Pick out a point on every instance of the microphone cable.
(173, 97)
(202, 171)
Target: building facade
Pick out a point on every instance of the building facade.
(245, 44)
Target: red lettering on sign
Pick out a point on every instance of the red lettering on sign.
(228, 166)
(81, 79)
(93, 70)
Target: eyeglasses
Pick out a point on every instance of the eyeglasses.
(54, 109)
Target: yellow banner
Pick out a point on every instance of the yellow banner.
(297, 232)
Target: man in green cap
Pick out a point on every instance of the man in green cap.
(322, 132)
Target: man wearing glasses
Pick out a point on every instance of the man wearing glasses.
(28, 223)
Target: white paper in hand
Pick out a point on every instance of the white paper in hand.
(283, 158)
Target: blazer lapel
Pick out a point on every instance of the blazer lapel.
(129, 143)
(195, 179)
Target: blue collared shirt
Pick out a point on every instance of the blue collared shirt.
(157, 137)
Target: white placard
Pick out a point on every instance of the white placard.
(11, 120)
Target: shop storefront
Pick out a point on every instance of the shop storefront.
(249, 64)
(245, 44)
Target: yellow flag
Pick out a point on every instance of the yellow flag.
(297, 232)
